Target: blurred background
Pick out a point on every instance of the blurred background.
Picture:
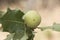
(30, 4)
(48, 9)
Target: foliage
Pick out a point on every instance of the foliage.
(13, 23)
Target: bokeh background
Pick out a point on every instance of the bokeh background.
(48, 9)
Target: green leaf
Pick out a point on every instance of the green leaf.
(15, 15)
(12, 22)
(19, 15)
(30, 33)
(56, 27)
(25, 37)
(10, 36)
(14, 27)
(11, 19)
(1, 13)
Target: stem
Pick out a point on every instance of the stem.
(43, 28)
